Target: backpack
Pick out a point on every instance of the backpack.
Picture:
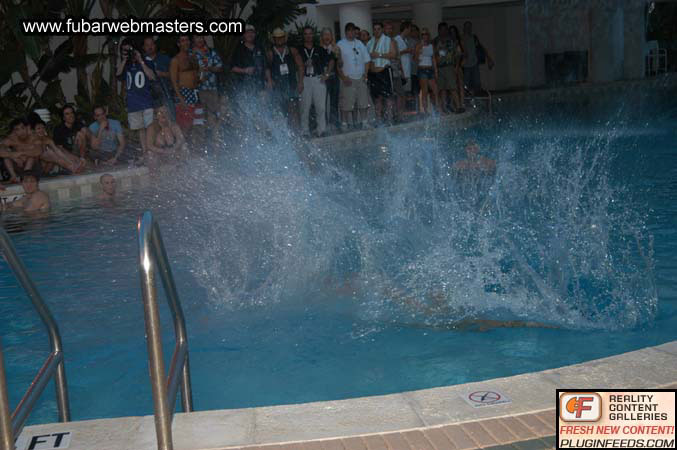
(481, 53)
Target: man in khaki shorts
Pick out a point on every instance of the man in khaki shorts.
(353, 66)
(210, 64)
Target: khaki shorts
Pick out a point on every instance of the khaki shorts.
(447, 78)
(356, 92)
(140, 119)
(210, 100)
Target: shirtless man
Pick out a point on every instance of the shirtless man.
(474, 162)
(437, 306)
(33, 200)
(52, 154)
(108, 186)
(16, 159)
(184, 72)
(21, 146)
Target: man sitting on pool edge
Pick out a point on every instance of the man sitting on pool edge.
(33, 199)
(22, 145)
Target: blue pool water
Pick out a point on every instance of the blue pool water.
(346, 279)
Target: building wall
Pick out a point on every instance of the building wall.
(502, 30)
(519, 34)
(611, 30)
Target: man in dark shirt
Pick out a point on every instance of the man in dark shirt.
(71, 134)
(163, 84)
(318, 64)
(286, 72)
(249, 62)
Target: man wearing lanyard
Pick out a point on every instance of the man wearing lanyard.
(286, 74)
(318, 64)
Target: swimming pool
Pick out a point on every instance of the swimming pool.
(346, 279)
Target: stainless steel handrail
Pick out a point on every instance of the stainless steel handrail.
(53, 365)
(151, 254)
(469, 94)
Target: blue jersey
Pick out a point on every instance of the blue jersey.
(139, 94)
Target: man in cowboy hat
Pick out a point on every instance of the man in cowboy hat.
(286, 73)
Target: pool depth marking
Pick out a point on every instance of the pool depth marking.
(50, 441)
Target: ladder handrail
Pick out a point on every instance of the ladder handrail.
(10, 427)
(152, 253)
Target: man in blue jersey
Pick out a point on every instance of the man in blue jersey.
(137, 73)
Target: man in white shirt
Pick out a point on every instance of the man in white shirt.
(353, 65)
(381, 49)
(405, 60)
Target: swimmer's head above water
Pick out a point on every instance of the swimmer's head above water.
(108, 184)
(471, 148)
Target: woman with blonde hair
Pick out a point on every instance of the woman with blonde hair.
(164, 139)
(427, 70)
(328, 43)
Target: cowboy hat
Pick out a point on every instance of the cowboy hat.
(279, 33)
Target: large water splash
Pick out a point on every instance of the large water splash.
(397, 236)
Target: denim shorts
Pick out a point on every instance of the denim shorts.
(426, 73)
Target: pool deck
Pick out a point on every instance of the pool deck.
(437, 418)
(75, 187)
(373, 136)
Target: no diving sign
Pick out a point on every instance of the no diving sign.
(480, 399)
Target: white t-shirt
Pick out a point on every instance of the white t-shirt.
(354, 56)
(404, 59)
(380, 45)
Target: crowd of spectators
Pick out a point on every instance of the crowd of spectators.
(365, 79)
(362, 81)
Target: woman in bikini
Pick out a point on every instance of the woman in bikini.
(165, 141)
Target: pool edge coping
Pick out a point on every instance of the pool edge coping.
(530, 393)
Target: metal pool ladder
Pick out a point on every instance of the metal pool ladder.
(151, 254)
(12, 424)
